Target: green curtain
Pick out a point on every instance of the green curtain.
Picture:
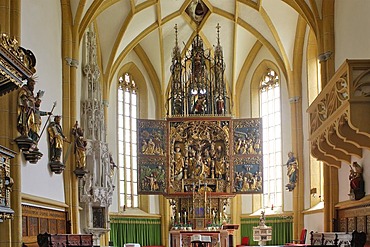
(135, 230)
(282, 229)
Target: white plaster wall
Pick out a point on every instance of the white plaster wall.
(112, 126)
(343, 185)
(41, 33)
(305, 164)
(247, 201)
(154, 205)
(352, 34)
(313, 222)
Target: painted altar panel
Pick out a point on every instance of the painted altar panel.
(152, 137)
(152, 175)
(199, 153)
(152, 156)
(247, 158)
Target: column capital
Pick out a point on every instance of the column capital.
(294, 99)
(72, 62)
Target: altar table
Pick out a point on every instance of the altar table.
(179, 238)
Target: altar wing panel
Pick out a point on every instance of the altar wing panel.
(247, 157)
(152, 156)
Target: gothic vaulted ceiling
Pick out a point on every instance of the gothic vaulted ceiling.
(145, 28)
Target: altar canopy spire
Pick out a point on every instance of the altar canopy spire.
(197, 84)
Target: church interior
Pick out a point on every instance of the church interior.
(183, 123)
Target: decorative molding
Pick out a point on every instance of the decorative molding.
(105, 103)
(294, 99)
(43, 202)
(325, 56)
(72, 62)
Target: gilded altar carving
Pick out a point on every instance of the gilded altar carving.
(199, 150)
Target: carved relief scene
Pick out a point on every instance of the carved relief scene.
(152, 138)
(199, 150)
(152, 175)
(248, 175)
(247, 159)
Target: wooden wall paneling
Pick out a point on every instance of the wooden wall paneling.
(355, 215)
(351, 224)
(361, 224)
(61, 226)
(25, 226)
(53, 226)
(37, 220)
(368, 227)
(343, 225)
(33, 226)
(43, 225)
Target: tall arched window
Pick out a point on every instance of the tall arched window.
(127, 141)
(271, 122)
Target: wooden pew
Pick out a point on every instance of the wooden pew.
(339, 239)
(65, 240)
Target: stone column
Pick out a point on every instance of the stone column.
(68, 113)
(11, 230)
(326, 58)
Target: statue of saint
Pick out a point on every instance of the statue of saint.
(56, 138)
(178, 161)
(292, 171)
(79, 146)
(26, 107)
(356, 181)
(220, 105)
(35, 125)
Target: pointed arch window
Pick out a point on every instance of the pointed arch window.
(270, 113)
(127, 141)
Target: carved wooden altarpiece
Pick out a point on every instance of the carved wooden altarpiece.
(199, 157)
(199, 163)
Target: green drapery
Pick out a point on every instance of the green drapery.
(282, 229)
(135, 230)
